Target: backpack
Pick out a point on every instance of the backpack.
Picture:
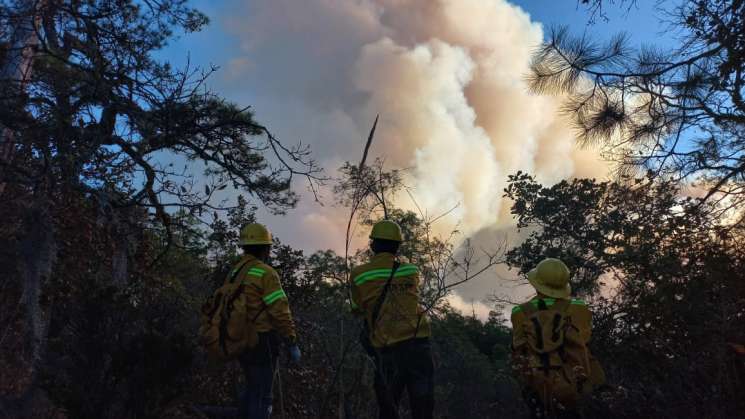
(548, 369)
(225, 330)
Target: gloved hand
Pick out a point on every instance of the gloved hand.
(294, 354)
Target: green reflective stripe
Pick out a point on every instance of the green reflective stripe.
(405, 270)
(381, 273)
(372, 272)
(256, 272)
(382, 277)
(276, 295)
(387, 271)
(548, 301)
(578, 302)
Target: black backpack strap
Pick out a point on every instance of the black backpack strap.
(238, 270)
(381, 299)
(538, 327)
(263, 307)
(538, 332)
(560, 306)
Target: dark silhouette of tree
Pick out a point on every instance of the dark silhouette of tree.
(99, 113)
(89, 113)
(597, 8)
(679, 112)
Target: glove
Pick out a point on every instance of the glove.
(294, 354)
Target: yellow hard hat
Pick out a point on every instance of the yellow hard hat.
(387, 230)
(255, 233)
(551, 278)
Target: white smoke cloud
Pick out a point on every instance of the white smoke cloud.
(432, 122)
(473, 307)
(446, 76)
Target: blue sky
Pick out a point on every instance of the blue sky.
(216, 45)
(640, 21)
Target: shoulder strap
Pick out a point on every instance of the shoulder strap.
(238, 270)
(381, 299)
(528, 308)
(239, 291)
(263, 307)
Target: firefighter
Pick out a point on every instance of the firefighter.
(385, 292)
(550, 334)
(269, 309)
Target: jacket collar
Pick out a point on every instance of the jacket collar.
(383, 257)
(246, 258)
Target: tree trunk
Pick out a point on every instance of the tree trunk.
(15, 70)
(38, 250)
(125, 243)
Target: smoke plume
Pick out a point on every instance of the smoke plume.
(446, 76)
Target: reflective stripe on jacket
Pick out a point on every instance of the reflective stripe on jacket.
(263, 289)
(400, 317)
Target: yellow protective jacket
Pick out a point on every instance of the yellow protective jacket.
(401, 317)
(264, 294)
(576, 353)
